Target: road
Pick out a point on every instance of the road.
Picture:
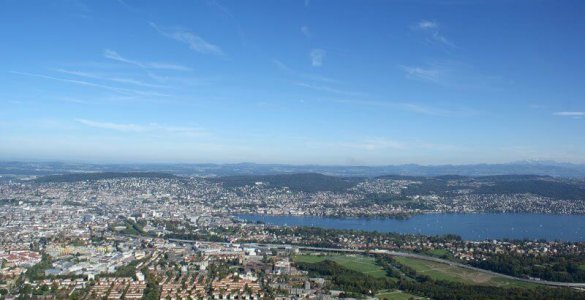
(402, 254)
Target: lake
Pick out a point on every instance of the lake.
(469, 226)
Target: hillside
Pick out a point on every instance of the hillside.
(305, 182)
(99, 176)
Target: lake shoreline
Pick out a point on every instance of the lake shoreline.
(470, 226)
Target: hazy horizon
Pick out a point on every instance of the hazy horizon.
(129, 163)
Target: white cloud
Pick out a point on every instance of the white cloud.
(414, 108)
(425, 25)
(124, 91)
(570, 114)
(432, 30)
(78, 73)
(113, 55)
(142, 128)
(328, 89)
(112, 126)
(422, 73)
(430, 110)
(317, 57)
(194, 41)
(167, 66)
(307, 76)
(113, 78)
(440, 38)
(454, 74)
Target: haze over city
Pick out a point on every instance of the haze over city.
(299, 82)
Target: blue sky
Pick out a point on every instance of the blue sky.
(301, 82)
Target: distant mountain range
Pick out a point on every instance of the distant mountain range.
(549, 168)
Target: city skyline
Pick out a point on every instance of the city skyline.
(293, 82)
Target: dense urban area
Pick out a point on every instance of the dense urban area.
(306, 194)
(159, 236)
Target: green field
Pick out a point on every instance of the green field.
(396, 295)
(441, 253)
(360, 263)
(440, 271)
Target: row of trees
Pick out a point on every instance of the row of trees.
(346, 279)
(567, 268)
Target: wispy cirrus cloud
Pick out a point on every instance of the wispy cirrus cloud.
(422, 73)
(312, 77)
(434, 111)
(426, 25)
(166, 66)
(124, 91)
(142, 128)
(329, 89)
(136, 82)
(113, 55)
(432, 31)
(315, 82)
(417, 108)
(194, 41)
(150, 67)
(112, 126)
(452, 74)
(570, 114)
(317, 57)
(112, 78)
